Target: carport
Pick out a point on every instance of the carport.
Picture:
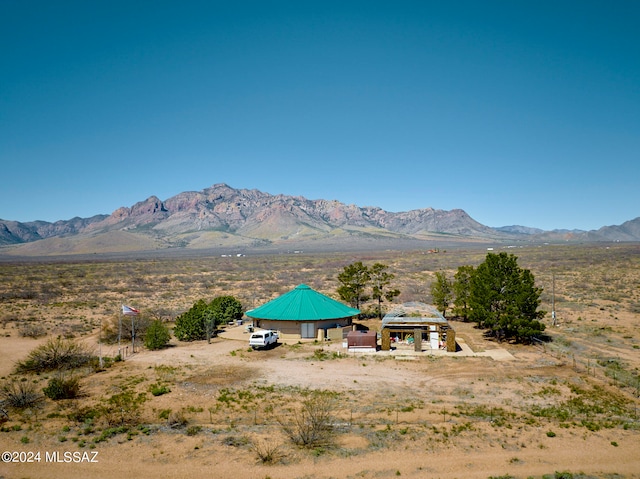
(419, 323)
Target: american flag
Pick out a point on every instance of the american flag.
(129, 311)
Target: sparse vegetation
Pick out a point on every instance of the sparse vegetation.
(580, 383)
(32, 330)
(310, 425)
(123, 409)
(159, 389)
(63, 386)
(20, 394)
(57, 354)
(267, 452)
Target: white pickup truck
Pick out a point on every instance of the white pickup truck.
(263, 339)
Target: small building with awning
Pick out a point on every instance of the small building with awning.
(301, 313)
(418, 324)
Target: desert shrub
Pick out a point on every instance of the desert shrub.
(20, 394)
(62, 387)
(84, 414)
(110, 432)
(123, 409)
(32, 330)
(267, 452)
(177, 420)
(159, 389)
(310, 426)
(563, 475)
(236, 441)
(164, 414)
(157, 336)
(55, 354)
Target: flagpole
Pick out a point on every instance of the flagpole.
(129, 311)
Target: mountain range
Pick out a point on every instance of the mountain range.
(225, 218)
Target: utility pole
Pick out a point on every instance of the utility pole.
(120, 333)
(553, 300)
(100, 344)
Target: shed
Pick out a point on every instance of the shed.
(362, 341)
(301, 313)
(418, 323)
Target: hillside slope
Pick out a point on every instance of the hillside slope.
(223, 217)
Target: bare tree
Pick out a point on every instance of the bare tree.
(310, 425)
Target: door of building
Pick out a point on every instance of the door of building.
(308, 330)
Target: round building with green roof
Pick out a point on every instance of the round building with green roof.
(301, 312)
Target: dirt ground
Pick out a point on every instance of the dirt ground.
(383, 437)
(490, 410)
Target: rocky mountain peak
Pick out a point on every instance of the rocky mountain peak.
(221, 214)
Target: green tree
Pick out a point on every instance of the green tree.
(226, 309)
(504, 299)
(354, 280)
(190, 325)
(380, 280)
(157, 336)
(209, 320)
(222, 310)
(201, 320)
(462, 291)
(441, 292)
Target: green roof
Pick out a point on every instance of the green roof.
(302, 304)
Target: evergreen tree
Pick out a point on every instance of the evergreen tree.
(441, 292)
(462, 291)
(226, 309)
(201, 320)
(380, 280)
(157, 336)
(354, 280)
(190, 325)
(504, 299)
(222, 310)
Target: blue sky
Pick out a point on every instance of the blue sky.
(522, 112)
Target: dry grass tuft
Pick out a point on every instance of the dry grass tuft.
(223, 375)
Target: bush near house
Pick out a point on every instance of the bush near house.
(200, 321)
(157, 336)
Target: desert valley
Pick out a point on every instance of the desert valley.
(563, 407)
